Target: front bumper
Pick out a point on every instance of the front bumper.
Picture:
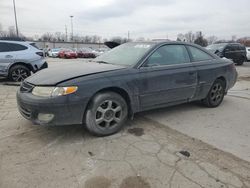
(65, 110)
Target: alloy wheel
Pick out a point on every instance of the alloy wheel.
(216, 93)
(108, 114)
(19, 74)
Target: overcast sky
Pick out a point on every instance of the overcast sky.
(143, 18)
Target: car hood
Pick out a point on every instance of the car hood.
(65, 71)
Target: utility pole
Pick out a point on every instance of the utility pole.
(66, 33)
(14, 3)
(72, 33)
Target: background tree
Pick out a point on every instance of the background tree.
(211, 39)
(200, 40)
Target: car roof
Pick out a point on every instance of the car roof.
(16, 42)
(160, 43)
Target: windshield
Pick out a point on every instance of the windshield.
(214, 47)
(125, 54)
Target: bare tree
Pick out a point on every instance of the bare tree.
(211, 39)
(48, 37)
(12, 32)
(200, 40)
(180, 37)
(190, 37)
(59, 37)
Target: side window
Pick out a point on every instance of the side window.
(228, 48)
(16, 47)
(3, 47)
(236, 48)
(168, 55)
(199, 55)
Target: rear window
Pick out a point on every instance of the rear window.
(11, 47)
(199, 55)
(34, 45)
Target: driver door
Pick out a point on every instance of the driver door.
(167, 76)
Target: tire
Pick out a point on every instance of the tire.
(106, 114)
(240, 61)
(216, 94)
(18, 73)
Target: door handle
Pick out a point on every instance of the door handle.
(8, 56)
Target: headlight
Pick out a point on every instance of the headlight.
(53, 91)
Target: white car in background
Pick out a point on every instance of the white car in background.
(248, 53)
(54, 52)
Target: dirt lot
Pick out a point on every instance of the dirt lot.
(183, 146)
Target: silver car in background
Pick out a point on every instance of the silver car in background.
(18, 59)
(54, 52)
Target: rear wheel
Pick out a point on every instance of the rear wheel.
(18, 73)
(215, 95)
(106, 114)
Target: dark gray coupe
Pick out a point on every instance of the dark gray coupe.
(130, 78)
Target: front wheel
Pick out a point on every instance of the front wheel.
(215, 95)
(106, 114)
(18, 73)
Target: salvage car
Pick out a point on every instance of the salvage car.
(130, 78)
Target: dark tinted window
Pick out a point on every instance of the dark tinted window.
(169, 55)
(9, 47)
(16, 47)
(236, 47)
(199, 55)
(3, 47)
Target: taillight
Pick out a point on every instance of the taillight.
(40, 54)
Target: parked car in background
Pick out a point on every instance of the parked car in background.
(100, 51)
(130, 78)
(18, 59)
(248, 53)
(233, 51)
(85, 53)
(54, 52)
(66, 53)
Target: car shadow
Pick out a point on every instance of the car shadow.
(5, 81)
(75, 133)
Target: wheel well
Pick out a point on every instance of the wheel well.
(24, 64)
(222, 79)
(117, 90)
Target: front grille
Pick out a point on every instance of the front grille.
(26, 87)
(25, 112)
